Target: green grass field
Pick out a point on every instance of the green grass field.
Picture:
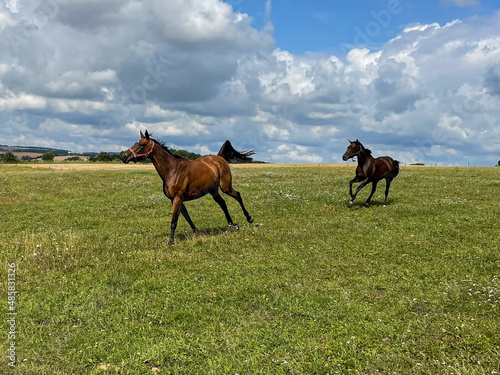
(313, 286)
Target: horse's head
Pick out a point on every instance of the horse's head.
(354, 149)
(141, 149)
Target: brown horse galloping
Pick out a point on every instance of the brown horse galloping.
(370, 169)
(185, 180)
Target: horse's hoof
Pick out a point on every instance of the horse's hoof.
(171, 243)
(385, 205)
(234, 226)
(350, 203)
(250, 219)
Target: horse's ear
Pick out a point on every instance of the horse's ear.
(147, 135)
(142, 135)
(349, 141)
(357, 140)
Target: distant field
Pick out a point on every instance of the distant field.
(119, 166)
(313, 286)
(37, 152)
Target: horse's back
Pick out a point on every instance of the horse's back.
(385, 165)
(200, 176)
(211, 165)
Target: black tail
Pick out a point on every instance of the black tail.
(396, 163)
(228, 152)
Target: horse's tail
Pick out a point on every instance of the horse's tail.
(228, 152)
(396, 164)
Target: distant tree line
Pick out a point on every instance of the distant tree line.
(102, 157)
(105, 157)
(185, 154)
(8, 157)
(48, 156)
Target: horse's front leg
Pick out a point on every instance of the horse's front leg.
(355, 179)
(350, 186)
(177, 204)
(363, 184)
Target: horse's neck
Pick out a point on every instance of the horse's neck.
(164, 162)
(364, 158)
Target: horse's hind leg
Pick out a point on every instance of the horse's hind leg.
(227, 188)
(185, 213)
(236, 195)
(388, 181)
(222, 203)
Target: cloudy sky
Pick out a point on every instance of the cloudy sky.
(292, 79)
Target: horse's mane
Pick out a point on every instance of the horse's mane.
(366, 150)
(164, 147)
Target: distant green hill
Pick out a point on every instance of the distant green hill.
(38, 150)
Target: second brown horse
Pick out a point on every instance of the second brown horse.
(185, 180)
(370, 169)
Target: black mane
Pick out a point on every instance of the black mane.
(164, 147)
(363, 148)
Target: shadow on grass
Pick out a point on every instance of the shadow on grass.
(203, 233)
(211, 231)
(361, 204)
(189, 235)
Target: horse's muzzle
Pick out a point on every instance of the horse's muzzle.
(127, 157)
